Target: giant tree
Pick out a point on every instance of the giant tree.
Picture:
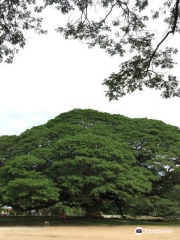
(88, 158)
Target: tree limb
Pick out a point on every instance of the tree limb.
(167, 34)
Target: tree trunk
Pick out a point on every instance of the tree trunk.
(94, 209)
(120, 209)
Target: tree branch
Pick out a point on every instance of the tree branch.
(103, 21)
(176, 13)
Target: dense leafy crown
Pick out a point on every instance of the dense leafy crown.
(86, 158)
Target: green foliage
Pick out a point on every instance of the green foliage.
(16, 17)
(116, 26)
(92, 168)
(23, 184)
(6, 148)
(156, 206)
(84, 158)
(122, 26)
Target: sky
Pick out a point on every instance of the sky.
(52, 75)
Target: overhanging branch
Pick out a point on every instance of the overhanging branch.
(176, 13)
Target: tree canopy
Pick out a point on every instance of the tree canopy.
(117, 26)
(91, 160)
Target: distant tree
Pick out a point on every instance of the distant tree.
(114, 25)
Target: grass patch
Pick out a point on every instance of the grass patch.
(79, 221)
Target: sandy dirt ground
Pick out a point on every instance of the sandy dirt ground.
(85, 233)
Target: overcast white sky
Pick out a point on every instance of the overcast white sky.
(52, 75)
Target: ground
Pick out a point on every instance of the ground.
(86, 233)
